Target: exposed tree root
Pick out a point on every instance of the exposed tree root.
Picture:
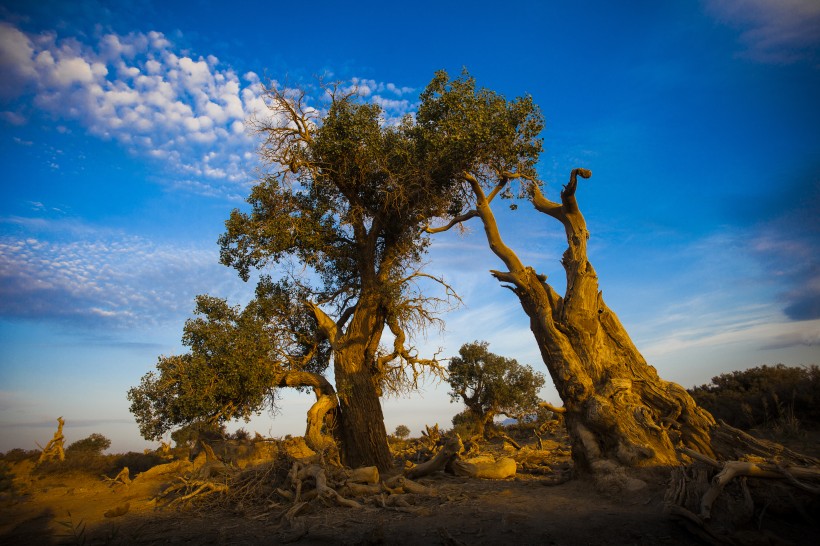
(719, 499)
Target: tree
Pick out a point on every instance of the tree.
(401, 432)
(237, 360)
(618, 410)
(345, 207)
(491, 385)
(94, 444)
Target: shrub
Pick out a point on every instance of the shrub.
(779, 397)
(95, 443)
(136, 462)
(16, 455)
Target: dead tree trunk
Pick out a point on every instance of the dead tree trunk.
(617, 407)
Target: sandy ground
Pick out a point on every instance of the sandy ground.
(526, 509)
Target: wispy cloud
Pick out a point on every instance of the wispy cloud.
(87, 276)
(186, 111)
(773, 31)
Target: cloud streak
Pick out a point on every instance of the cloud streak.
(773, 31)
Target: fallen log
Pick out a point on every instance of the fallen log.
(480, 467)
(451, 449)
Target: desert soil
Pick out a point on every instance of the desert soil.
(527, 509)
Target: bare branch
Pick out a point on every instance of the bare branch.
(542, 204)
(553, 409)
(326, 324)
(455, 221)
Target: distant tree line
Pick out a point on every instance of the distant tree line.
(772, 396)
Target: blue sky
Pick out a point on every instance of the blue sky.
(124, 150)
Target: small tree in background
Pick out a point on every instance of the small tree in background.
(491, 385)
(95, 444)
(402, 432)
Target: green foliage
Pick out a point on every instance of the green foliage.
(490, 384)
(188, 435)
(343, 214)
(775, 396)
(401, 432)
(465, 423)
(350, 202)
(95, 443)
(476, 130)
(232, 368)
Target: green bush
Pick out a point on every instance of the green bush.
(778, 397)
(402, 432)
(95, 443)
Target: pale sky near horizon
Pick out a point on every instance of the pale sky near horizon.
(124, 150)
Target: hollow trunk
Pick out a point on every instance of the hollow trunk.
(617, 407)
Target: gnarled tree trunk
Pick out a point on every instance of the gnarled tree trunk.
(617, 407)
(360, 422)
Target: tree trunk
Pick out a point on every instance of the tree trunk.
(360, 430)
(326, 403)
(482, 422)
(617, 407)
(361, 422)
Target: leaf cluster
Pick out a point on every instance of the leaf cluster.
(478, 131)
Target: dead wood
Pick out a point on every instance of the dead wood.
(487, 468)
(431, 435)
(364, 474)
(553, 409)
(717, 498)
(123, 478)
(406, 484)
(54, 448)
(448, 452)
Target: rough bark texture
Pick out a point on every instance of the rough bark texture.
(326, 402)
(360, 431)
(617, 407)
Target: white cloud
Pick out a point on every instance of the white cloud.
(16, 63)
(154, 100)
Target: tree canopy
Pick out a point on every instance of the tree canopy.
(490, 384)
(339, 218)
(236, 360)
